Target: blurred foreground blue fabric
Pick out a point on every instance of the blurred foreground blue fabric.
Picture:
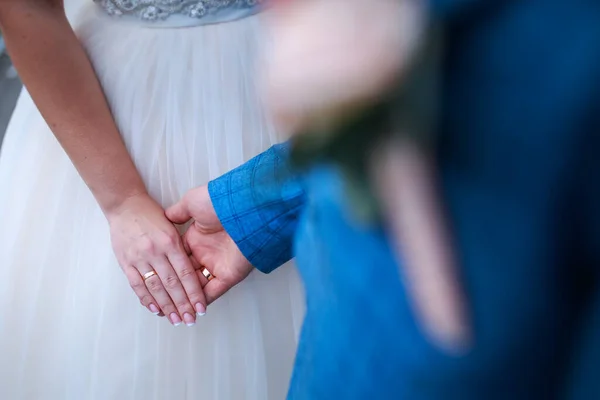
(520, 165)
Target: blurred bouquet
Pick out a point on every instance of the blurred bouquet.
(348, 75)
(356, 83)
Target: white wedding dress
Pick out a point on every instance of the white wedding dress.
(185, 98)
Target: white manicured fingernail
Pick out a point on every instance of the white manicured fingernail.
(200, 309)
(175, 319)
(189, 319)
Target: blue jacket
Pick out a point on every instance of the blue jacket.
(520, 166)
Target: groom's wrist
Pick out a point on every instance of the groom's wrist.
(237, 223)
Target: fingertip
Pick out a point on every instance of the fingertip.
(177, 213)
(189, 319)
(200, 309)
(170, 211)
(154, 309)
(213, 290)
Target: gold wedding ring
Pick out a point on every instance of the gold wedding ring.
(149, 275)
(207, 274)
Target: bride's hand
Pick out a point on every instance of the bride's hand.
(144, 240)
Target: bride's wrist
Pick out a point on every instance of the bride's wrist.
(115, 206)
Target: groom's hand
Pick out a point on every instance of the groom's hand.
(211, 247)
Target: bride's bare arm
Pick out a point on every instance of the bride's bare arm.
(61, 81)
(60, 78)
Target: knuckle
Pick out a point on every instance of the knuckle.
(171, 281)
(146, 300)
(146, 246)
(187, 273)
(183, 306)
(137, 285)
(153, 284)
(169, 240)
(167, 307)
(196, 297)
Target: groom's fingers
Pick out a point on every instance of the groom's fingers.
(186, 246)
(179, 213)
(215, 289)
(197, 266)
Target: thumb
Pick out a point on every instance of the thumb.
(179, 213)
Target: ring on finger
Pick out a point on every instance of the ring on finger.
(149, 275)
(207, 274)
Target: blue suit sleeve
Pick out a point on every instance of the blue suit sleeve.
(259, 204)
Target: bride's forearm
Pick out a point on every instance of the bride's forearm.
(59, 76)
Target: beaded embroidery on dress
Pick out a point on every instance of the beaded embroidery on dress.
(153, 10)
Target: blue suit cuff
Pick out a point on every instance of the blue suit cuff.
(258, 205)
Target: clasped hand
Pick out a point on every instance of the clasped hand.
(163, 268)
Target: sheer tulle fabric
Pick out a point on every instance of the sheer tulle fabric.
(70, 327)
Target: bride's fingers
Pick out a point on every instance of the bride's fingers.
(139, 287)
(187, 275)
(186, 245)
(171, 281)
(155, 287)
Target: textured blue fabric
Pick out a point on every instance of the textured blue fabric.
(258, 204)
(519, 162)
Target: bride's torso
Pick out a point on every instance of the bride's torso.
(179, 13)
